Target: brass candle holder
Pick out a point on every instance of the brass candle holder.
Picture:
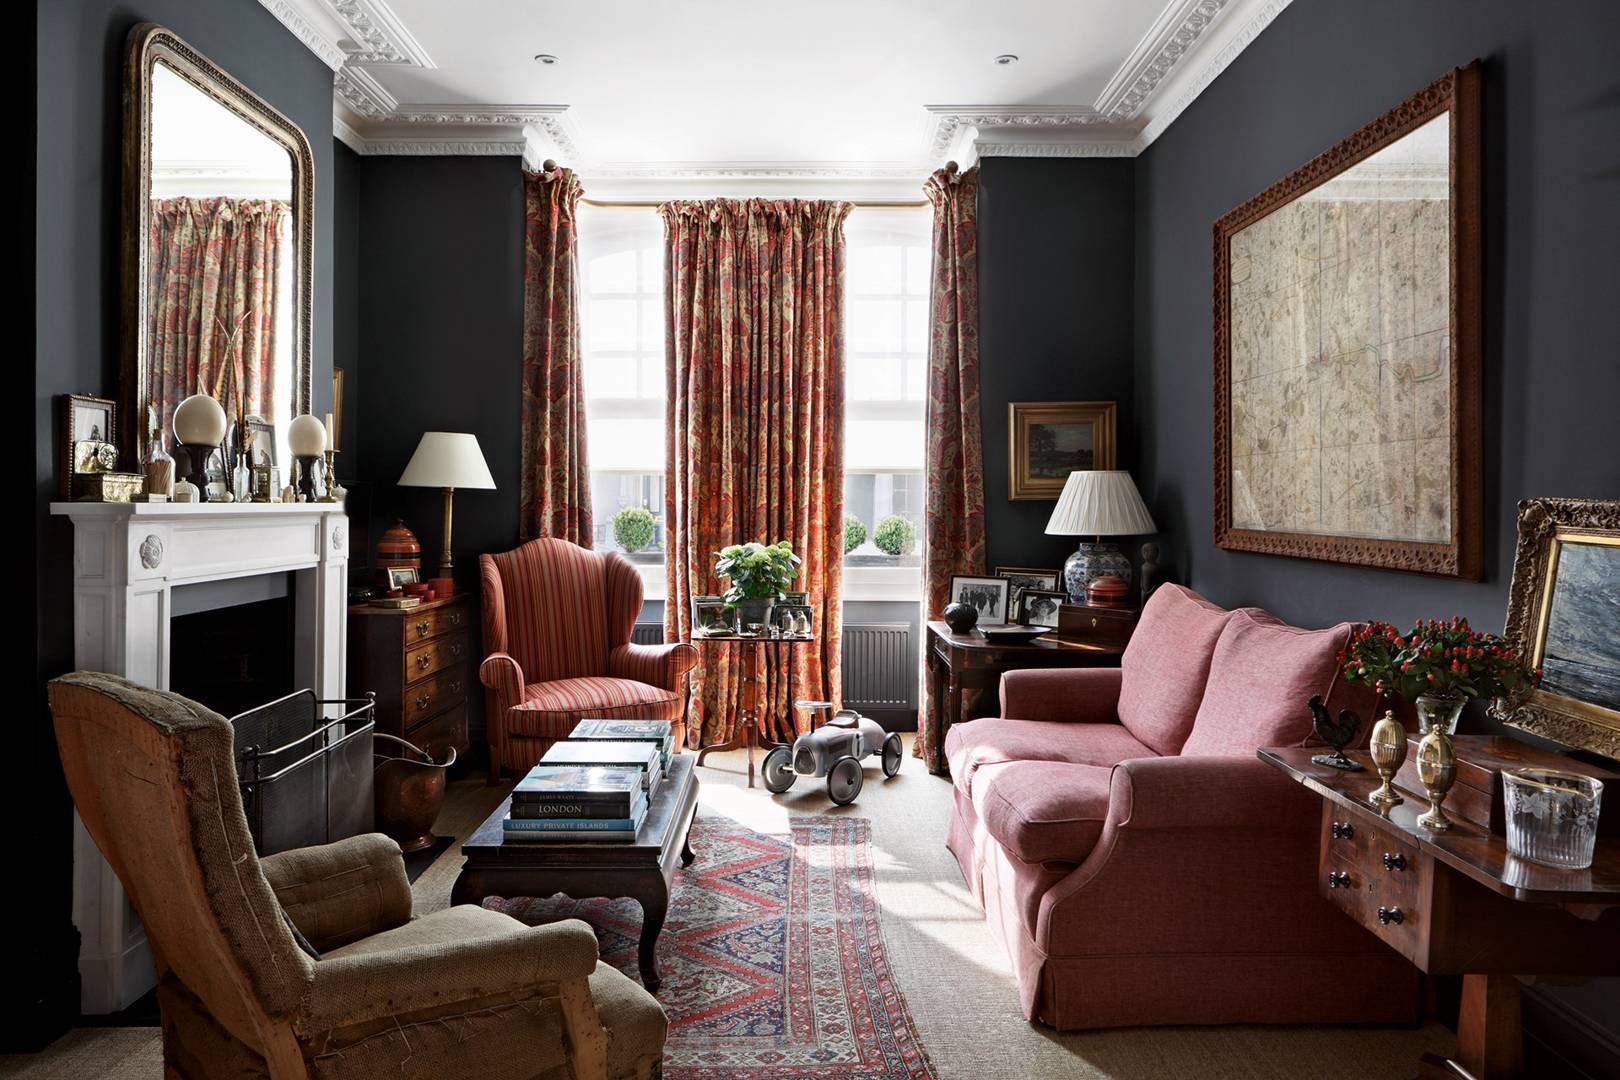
(330, 471)
(1437, 768)
(1388, 750)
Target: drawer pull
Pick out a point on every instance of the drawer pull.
(1342, 830)
(455, 686)
(422, 701)
(455, 618)
(422, 628)
(423, 661)
(455, 650)
(1338, 879)
(1396, 861)
(1387, 915)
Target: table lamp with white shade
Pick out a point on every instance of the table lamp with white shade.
(1099, 503)
(448, 460)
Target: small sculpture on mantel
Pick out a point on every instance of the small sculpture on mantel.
(1336, 733)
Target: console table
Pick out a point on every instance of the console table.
(751, 723)
(1456, 903)
(958, 662)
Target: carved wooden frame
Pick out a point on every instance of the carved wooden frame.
(1544, 525)
(1458, 93)
(1022, 415)
(147, 44)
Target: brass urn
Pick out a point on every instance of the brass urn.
(1437, 768)
(1388, 750)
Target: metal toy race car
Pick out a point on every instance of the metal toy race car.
(833, 750)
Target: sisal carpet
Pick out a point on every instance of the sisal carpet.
(772, 957)
(957, 983)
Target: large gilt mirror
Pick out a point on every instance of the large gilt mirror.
(218, 194)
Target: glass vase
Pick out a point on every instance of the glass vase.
(1552, 816)
(1439, 711)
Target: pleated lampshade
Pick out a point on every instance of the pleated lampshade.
(1100, 502)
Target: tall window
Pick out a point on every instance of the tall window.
(621, 260)
(886, 356)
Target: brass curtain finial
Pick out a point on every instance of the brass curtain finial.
(548, 165)
(951, 167)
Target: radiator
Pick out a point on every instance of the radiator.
(648, 633)
(880, 666)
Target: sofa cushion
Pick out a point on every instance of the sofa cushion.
(1260, 682)
(1166, 665)
(992, 741)
(1043, 811)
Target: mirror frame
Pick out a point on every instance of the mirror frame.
(149, 43)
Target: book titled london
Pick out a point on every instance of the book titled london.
(578, 791)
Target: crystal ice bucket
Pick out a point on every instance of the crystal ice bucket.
(1552, 816)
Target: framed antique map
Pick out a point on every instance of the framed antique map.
(1347, 348)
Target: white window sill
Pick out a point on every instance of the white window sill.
(654, 584)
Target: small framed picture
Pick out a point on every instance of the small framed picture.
(987, 595)
(713, 617)
(1024, 577)
(261, 442)
(1051, 439)
(1039, 607)
(90, 437)
(787, 617)
(401, 576)
(796, 599)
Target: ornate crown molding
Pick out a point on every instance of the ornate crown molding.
(319, 39)
(1086, 148)
(497, 146)
(1168, 41)
(363, 94)
(1199, 79)
(378, 35)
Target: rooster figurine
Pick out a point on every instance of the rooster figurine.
(1336, 733)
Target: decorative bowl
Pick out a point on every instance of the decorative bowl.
(1012, 633)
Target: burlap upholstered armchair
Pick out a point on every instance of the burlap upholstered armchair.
(309, 963)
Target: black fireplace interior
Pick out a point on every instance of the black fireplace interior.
(233, 658)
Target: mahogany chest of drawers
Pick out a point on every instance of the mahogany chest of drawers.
(419, 664)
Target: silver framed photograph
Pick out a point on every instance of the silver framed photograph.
(713, 617)
(261, 442)
(986, 595)
(401, 576)
(1039, 607)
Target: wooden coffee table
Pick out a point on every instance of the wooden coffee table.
(642, 870)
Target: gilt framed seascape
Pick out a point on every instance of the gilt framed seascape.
(1564, 610)
(1347, 348)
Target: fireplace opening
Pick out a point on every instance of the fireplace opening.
(231, 642)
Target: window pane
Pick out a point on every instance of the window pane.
(874, 326)
(873, 268)
(626, 444)
(871, 498)
(892, 444)
(622, 344)
(873, 378)
(609, 376)
(612, 493)
(919, 265)
(615, 272)
(916, 326)
(611, 324)
(652, 376)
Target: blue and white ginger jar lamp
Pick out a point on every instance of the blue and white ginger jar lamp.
(1098, 503)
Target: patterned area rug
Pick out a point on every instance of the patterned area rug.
(771, 954)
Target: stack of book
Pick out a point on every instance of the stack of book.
(656, 732)
(592, 788)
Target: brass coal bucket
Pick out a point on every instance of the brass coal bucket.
(410, 792)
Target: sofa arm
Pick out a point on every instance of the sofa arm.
(663, 666)
(1081, 695)
(338, 893)
(369, 986)
(504, 677)
(1207, 793)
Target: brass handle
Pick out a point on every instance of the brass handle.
(422, 701)
(1342, 830)
(1396, 861)
(422, 628)
(1094, 622)
(455, 618)
(455, 686)
(1387, 915)
(455, 650)
(423, 660)
(1338, 879)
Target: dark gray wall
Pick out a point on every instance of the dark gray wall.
(441, 342)
(1551, 227)
(80, 65)
(346, 271)
(1056, 250)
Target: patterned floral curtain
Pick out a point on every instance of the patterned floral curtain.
(556, 495)
(215, 264)
(754, 307)
(954, 535)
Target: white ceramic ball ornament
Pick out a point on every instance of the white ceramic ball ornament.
(200, 421)
(306, 436)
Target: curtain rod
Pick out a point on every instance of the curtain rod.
(549, 165)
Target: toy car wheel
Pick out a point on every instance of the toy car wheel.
(844, 780)
(892, 753)
(777, 772)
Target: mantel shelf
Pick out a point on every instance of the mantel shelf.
(178, 510)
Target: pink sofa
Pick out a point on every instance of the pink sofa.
(1137, 861)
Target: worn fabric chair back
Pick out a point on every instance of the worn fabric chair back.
(154, 778)
(558, 609)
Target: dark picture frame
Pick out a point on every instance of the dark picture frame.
(1028, 577)
(989, 596)
(1040, 607)
(1456, 96)
(89, 438)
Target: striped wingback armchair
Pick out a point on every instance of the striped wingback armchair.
(557, 624)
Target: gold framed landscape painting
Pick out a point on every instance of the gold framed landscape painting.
(1051, 439)
(1347, 348)
(1564, 609)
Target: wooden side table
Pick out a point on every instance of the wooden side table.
(419, 662)
(1457, 903)
(958, 662)
(750, 722)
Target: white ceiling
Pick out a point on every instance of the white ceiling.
(833, 89)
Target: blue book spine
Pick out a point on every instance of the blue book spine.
(625, 824)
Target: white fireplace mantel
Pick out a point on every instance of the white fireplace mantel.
(127, 559)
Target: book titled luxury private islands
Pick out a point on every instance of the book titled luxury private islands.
(593, 786)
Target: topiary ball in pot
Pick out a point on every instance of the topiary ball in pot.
(633, 528)
(854, 533)
(895, 535)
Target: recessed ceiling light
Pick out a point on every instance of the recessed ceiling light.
(546, 58)
(1006, 58)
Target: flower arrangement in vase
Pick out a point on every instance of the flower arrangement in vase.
(758, 574)
(1438, 666)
